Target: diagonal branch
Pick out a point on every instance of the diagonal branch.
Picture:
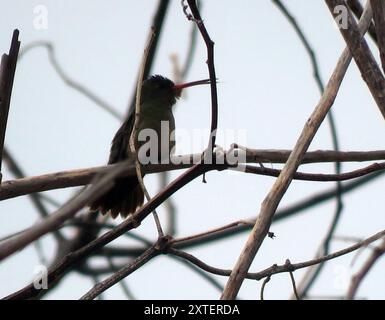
(333, 129)
(378, 7)
(135, 128)
(134, 221)
(370, 71)
(122, 273)
(7, 74)
(66, 212)
(357, 9)
(271, 201)
(274, 269)
(313, 274)
(35, 198)
(156, 29)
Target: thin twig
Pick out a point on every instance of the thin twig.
(179, 75)
(357, 9)
(315, 176)
(265, 281)
(68, 80)
(121, 274)
(212, 75)
(370, 71)
(134, 132)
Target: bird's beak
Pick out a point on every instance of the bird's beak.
(178, 87)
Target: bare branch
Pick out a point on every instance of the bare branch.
(134, 132)
(270, 203)
(274, 269)
(368, 66)
(64, 179)
(122, 273)
(378, 7)
(56, 219)
(357, 9)
(7, 74)
(333, 130)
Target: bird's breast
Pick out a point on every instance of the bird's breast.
(155, 135)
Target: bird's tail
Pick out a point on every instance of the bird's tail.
(124, 198)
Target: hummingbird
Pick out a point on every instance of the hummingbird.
(158, 96)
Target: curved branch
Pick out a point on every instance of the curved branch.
(287, 267)
(70, 82)
(359, 277)
(212, 75)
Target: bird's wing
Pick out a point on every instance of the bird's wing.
(120, 143)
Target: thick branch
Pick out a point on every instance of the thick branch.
(56, 219)
(64, 179)
(378, 7)
(363, 57)
(7, 74)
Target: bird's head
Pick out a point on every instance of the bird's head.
(162, 91)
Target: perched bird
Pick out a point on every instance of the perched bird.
(158, 95)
